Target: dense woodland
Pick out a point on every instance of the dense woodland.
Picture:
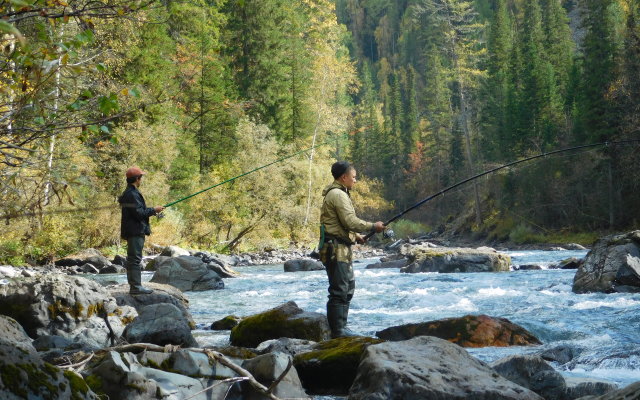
(419, 94)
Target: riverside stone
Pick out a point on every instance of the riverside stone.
(303, 265)
(161, 294)
(187, 273)
(429, 368)
(90, 256)
(452, 259)
(467, 331)
(23, 374)
(630, 392)
(266, 369)
(330, 367)
(580, 387)
(612, 265)
(534, 373)
(68, 306)
(226, 323)
(160, 324)
(286, 320)
(400, 263)
(121, 376)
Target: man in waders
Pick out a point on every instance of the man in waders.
(339, 227)
(134, 227)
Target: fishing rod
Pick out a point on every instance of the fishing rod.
(510, 164)
(8, 217)
(265, 166)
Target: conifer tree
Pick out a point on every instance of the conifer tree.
(596, 120)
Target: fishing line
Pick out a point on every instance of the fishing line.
(490, 171)
(8, 217)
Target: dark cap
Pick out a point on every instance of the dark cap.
(339, 168)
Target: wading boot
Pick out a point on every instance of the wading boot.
(134, 276)
(334, 317)
(346, 332)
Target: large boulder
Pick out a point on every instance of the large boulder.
(68, 306)
(286, 320)
(303, 265)
(330, 367)
(612, 265)
(88, 256)
(174, 251)
(581, 387)
(161, 294)
(187, 273)
(394, 261)
(631, 392)
(160, 324)
(534, 373)
(467, 331)
(122, 376)
(451, 259)
(267, 369)
(185, 362)
(23, 375)
(429, 368)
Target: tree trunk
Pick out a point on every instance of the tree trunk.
(52, 139)
(311, 154)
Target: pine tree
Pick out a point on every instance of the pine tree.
(498, 87)
(597, 121)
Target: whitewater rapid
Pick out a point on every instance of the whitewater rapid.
(601, 329)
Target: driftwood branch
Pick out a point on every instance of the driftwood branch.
(77, 366)
(281, 377)
(229, 380)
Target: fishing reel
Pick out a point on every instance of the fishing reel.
(388, 233)
(160, 215)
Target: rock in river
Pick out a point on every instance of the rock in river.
(612, 265)
(467, 331)
(287, 320)
(452, 259)
(429, 368)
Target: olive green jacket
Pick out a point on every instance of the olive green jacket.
(338, 216)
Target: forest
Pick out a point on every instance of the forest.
(417, 94)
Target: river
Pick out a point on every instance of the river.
(603, 330)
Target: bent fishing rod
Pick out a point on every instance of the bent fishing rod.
(490, 171)
(8, 217)
(266, 165)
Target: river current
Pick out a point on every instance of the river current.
(603, 330)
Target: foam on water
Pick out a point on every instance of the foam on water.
(601, 329)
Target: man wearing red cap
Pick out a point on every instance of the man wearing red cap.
(134, 227)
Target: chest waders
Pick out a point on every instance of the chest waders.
(337, 258)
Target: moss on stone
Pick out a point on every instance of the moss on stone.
(331, 366)
(22, 379)
(12, 379)
(95, 384)
(346, 349)
(79, 387)
(273, 324)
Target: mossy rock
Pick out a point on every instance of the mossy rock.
(467, 331)
(287, 320)
(449, 259)
(226, 323)
(331, 366)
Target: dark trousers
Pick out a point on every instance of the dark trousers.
(135, 244)
(342, 285)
